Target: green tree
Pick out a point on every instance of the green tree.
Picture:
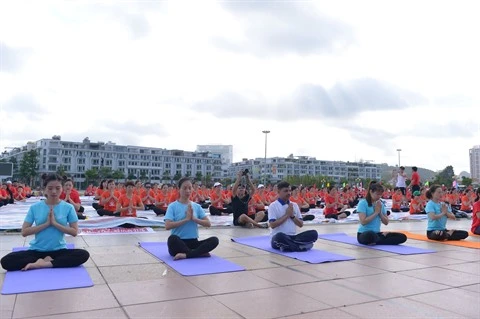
(29, 166)
(177, 176)
(198, 176)
(143, 176)
(445, 177)
(466, 181)
(208, 178)
(105, 172)
(61, 170)
(118, 174)
(131, 177)
(91, 176)
(166, 175)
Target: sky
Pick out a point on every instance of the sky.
(335, 80)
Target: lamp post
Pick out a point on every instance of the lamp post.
(399, 150)
(265, 163)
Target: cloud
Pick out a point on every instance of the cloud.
(24, 104)
(130, 132)
(12, 59)
(129, 14)
(310, 101)
(466, 129)
(276, 28)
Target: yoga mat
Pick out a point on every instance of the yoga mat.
(397, 249)
(17, 282)
(313, 256)
(193, 266)
(459, 243)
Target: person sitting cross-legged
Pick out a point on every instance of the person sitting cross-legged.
(284, 217)
(372, 213)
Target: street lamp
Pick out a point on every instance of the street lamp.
(265, 163)
(399, 150)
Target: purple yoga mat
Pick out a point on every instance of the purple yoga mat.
(17, 282)
(313, 256)
(397, 249)
(193, 266)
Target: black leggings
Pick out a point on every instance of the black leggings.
(401, 210)
(191, 247)
(62, 258)
(335, 215)
(371, 237)
(219, 211)
(443, 235)
(97, 206)
(104, 212)
(304, 210)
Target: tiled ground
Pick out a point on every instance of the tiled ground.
(129, 283)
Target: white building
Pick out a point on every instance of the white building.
(278, 168)
(475, 163)
(153, 164)
(225, 152)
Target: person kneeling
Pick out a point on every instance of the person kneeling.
(52, 218)
(371, 212)
(284, 216)
(183, 218)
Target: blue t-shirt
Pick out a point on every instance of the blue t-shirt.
(50, 238)
(177, 211)
(436, 208)
(374, 225)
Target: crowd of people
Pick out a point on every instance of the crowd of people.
(281, 207)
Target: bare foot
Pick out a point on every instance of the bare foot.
(48, 258)
(180, 256)
(40, 263)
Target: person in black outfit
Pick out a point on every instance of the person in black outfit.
(244, 210)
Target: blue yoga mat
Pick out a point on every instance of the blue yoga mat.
(191, 266)
(397, 249)
(313, 256)
(17, 282)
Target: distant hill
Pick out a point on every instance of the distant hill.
(425, 174)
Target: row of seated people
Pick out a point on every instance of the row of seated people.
(54, 217)
(11, 192)
(461, 203)
(219, 200)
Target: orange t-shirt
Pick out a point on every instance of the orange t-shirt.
(396, 201)
(164, 199)
(214, 197)
(475, 220)
(99, 192)
(124, 201)
(413, 203)
(328, 201)
(150, 200)
(111, 205)
(465, 199)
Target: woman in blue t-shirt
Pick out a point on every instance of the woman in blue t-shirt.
(438, 212)
(183, 217)
(371, 212)
(52, 218)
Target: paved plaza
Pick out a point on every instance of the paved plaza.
(130, 283)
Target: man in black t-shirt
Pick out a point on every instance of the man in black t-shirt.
(244, 211)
